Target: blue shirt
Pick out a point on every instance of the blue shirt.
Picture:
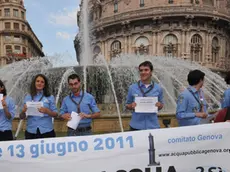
(88, 106)
(143, 121)
(45, 123)
(5, 123)
(226, 99)
(187, 106)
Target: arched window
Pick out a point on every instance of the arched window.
(215, 49)
(196, 48)
(115, 48)
(142, 46)
(115, 6)
(142, 3)
(170, 47)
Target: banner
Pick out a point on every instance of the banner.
(203, 148)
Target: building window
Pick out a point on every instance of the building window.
(24, 50)
(142, 3)
(7, 12)
(22, 15)
(15, 13)
(115, 49)
(115, 6)
(23, 39)
(215, 49)
(0, 12)
(7, 25)
(170, 46)
(17, 38)
(17, 49)
(16, 26)
(23, 27)
(196, 48)
(170, 1)
(142, 46)
(8, 49)
(7, 38)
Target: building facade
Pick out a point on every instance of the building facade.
(198, 30)
(17, 39)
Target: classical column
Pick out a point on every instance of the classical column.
(206, 44)
(130, 44)
(156, 43)
(187, 44)
(159, 44)
(103, 48)
(182, 44)
(107, 56)
(153, 43)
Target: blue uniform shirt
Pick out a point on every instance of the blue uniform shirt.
(5, 123)
(87, 105)
(45, 123)
(143, 121)
(226, 99)
(187, 106)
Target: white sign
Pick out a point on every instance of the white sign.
(75, 119)
(1, 98)
(32, 108)
(207, 119)
(202, 148)
(146, 104)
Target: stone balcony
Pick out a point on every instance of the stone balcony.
(161, 12)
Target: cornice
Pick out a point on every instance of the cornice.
(161, 12)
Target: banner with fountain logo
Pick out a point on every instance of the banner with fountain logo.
(203, 148)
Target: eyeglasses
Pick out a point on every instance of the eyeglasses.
(74, 84)
(142, 70)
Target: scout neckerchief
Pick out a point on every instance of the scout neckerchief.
(77, 104)
(199, 101)
(142, 91)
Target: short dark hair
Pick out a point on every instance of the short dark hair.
(74, 76)
(227, 78)
(195, 76)
(147, 63)
(33, 91)
(4, 92)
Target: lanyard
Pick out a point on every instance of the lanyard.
(39, 99)
(142, 91)
(77, 104)
(199, 102)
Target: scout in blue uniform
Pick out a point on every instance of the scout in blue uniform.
(226, 98)
(40, 126)
(191, 104)
(144, 88)
(82, 103)
(7, 113)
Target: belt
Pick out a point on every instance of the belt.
(81, 129)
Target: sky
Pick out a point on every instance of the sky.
(55, 24)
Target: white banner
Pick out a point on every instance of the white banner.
(204, 148)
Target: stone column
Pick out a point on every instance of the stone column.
(107, 56)
(130, 44)
(103, 48)
(159, 44)
(153, 43)
(206, 42)
(187, 44)
(182, 44)
(156, 43)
